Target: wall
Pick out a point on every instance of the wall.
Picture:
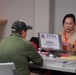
(63, 7)
(44, 13)
(34, 12)
(17, 10)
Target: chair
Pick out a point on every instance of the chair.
(7, 69)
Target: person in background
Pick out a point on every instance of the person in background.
(69, 33)
(17, 49)
(35, 42)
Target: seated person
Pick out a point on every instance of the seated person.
(68, 38)
(69, 33)
(35, 42)
(17, 49)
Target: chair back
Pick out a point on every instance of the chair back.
(7, 69)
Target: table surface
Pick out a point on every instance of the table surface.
(57, 64)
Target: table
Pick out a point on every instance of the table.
(57, 64)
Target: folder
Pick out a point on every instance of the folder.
(72, 57)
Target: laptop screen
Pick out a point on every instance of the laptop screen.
(51, 41)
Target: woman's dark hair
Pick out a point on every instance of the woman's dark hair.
(69, 16)
(35, 40)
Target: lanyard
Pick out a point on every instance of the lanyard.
(66, 38)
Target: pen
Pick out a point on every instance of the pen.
(64, 63)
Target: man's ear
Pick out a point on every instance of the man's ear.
(23, 31)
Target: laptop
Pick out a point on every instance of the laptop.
(7, 69)
(50, 41)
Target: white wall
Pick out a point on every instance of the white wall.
(63, 7)
(43, 15)
(34, 12)
(18, 10)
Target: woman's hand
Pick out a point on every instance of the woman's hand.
(68, 45)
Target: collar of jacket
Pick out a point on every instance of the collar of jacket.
(15, 34)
